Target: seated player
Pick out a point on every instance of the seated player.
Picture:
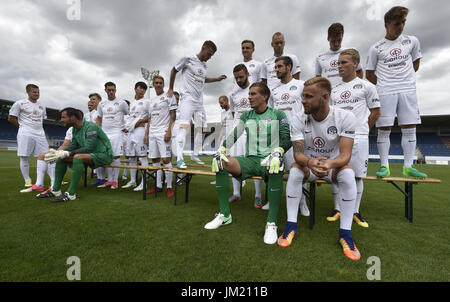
(89, 146)
(263, 152)
(324, 153)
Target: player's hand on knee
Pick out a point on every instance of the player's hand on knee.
(216, 165)
(274, 161)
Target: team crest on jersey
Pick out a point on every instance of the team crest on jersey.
(395, 52)
(319, 142)
(293, 88)
(251, 65)
(40, 108)
(346, 95)
(200, 72)
(285, 97)
(269, 119)
(332, 130)
(406, 42)
(116, 104)
(334, 63)
(358, 86)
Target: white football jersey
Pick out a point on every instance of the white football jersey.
(393, 64)
(193, 75)
(159, 109)
(254, 70)
(69, 134)
(357, 96)
(239, 102)
(322, 138)
(112, 114)
(226, 122)
(288, 98)
(90, 116)
(268, 70)
(138, 111)
(327, 66)
(30, 117)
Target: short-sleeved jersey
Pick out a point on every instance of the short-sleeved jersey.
(30, 117)
(193, 75)
(265, 131)
(68, 136)
(322, 138)
(90, 116)
(239, 102)
(327, 66)
(112, 114)
(357, 96)
(393, 64)
(90, 138)
(254, 70)
(288, 98)
(159, 109)
(268, 70)
(138, 110)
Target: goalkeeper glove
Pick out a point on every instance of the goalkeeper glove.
(274, 161)
(216, 164)
(52, 157)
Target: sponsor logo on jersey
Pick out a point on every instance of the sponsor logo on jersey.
(200, 72)
(334, 63)
(332, 130)
(285, 97)
(349, 132)
(109, 109)
(345, 95)
(395, 52)
(319, 142)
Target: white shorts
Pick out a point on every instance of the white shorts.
(27, 145)
(404, 105)
(158, 147)
(190, 109)
(135, 144)
(116, 141)
(360, 156)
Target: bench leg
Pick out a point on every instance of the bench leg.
(409, 201)
(144, 184)
(311, 195)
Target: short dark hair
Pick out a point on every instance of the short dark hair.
(263, 89)
(248, 41)
(109, 84)
(395, 12)
(335, 29)
(30, 86)
(240, 67)
(140, 84)
(70, 111)
(96, 95)
(210, 44)
(286, 61)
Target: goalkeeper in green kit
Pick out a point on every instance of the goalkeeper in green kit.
(268, 136)
(89, 146)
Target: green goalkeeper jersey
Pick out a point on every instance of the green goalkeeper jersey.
(265, 131)
(89, 139)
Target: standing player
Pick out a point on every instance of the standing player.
(111, 118)
(287, 97)
(136, 148)
(253, 66)
(327, 62)
(324, 153)
(359, 97)
(268, 73)
(239, 103)
(162, 110)
(193, 76)
(91, 115)
(267, 132)
(28, 115)
(89, 146)
(392, 64)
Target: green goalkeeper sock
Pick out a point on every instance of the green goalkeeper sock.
(275, 191)
(77, 172)
(60, 171)
(223, 189)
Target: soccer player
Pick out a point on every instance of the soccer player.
(94, 100)
(361, 98)
(90, 146)
(28, 115)
(267, 132)
(287, 97)
(111, 118)
(162, 110)
(268, 73)
(323, 153)
(392, 64)
(193, 77)
(327, 62)
(253, 66)
(136, 148)
(239, 103)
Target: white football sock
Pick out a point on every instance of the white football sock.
(181, 140)
(359, 192)
(409, 142)
(258, 187)
(383, 145)
(158, 175)
(335, 190)
(347, 197)
(51, 172)
(168, 175)
(198, 141)
(294, 193)
(25, 167)
(40, 172)
(132, 162)
(236, 187)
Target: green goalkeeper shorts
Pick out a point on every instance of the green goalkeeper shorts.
(250, 166)
(101, 159)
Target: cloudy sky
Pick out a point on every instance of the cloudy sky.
(70, 48)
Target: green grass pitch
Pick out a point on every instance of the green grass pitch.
(119, 237)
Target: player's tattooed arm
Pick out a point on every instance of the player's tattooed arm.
(299, 156)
